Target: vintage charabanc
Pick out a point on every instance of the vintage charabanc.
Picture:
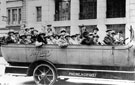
(48, 62)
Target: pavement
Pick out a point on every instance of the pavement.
(3, 64)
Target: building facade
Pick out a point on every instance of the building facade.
(118, 15)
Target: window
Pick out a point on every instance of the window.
(57, 29)
(116, 8)
(39, 13)
(117, 28)
(20, 18)
(14, 16)
(9, 16)
(88, 9)
(62, 10)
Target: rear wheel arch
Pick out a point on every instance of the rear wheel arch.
(36, 63)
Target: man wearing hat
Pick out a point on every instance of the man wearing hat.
(83, 29)
(109, 38)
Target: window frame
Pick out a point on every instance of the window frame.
(113, 12)
(17, 16)
(83, 3)
(39, 14)
(59, 16)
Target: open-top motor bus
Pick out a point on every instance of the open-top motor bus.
(47, 62)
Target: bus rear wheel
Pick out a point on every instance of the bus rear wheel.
(44, 74)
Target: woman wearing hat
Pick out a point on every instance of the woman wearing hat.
(95, 40)
(62, 42)
(95, 30)
(11, 37)
(22, 39)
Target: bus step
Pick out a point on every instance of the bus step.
(16, 70)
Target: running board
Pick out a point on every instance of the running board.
(16, 69)
(91, 70)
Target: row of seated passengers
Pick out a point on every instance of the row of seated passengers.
(62, 39)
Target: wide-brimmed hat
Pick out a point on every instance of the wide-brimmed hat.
(90, 34)
(108, 30)
(56, 35)
(112, 32)
(21, 36)
(67, 35)
(82, 25)
(96, 36)
(73, 36)
(26, 28)
(96, 29)
(16, 32)
(49, 25)
(35, 30)
(11, 31)
(42, 33)
(121, 32)
(31, 27)
(62, 30)
(62, 34)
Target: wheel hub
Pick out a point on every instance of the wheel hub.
(43, 74)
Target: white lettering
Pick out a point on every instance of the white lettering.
(91, 75)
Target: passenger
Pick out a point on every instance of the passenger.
(88, 40)
(95, 30)
(119, 38)
(50, 40)
(17, 36)
(78, 38)
(27, 31)
(49, 30)
(73, 39)
(28, 39)
(31, 29)
(68, 38)
(109, 38)
(11, 37)
(63, 30)
(56, 37)
(91, 35)
(22, 39)
(83, 29)
(34, 35)
(95, 40)
(62, 42)
(41, 38)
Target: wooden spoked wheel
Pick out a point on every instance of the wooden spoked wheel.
(44, 74)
